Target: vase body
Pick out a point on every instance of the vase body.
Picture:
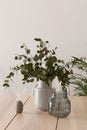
(42, 93)
(59, 105)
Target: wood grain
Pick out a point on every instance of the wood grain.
(7, 109)
(77, 120)
(32, 119)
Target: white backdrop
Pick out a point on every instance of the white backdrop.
(62, 22)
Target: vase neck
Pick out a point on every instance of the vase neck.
(43, 84)
(61, 94)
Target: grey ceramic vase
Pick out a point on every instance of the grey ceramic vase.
(42, 93)
(59, 104)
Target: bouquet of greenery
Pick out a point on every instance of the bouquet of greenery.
(44, 65)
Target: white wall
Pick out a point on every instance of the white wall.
(62, 22)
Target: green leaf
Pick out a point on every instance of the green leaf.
(7, 81)
(11, 74)
(22, 46)
(51, 60)
(41, 56)
(53, 52)
(36, 57)
(47, 42)
(16, 57)
(6, 85)
(37, 39)
(28, 51)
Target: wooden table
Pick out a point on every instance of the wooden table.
(32, 119)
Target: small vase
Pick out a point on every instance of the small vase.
(59, 104)
(42, 93)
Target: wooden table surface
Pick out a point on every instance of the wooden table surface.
(33, 119)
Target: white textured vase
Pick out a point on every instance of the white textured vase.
(42, 94)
